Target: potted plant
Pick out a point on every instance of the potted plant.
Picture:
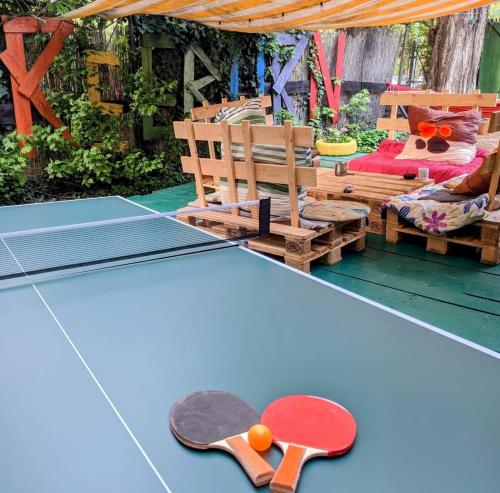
(336, 142)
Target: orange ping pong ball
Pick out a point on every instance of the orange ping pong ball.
(260, 437)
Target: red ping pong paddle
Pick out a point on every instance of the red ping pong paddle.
(305, 427)
(220, 420)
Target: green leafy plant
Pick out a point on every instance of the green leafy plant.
(368, 139)
(357, 107)
(13, 159)
(283, 115)
(336, 136)
(149, 93)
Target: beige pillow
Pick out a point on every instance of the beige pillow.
(441, 136)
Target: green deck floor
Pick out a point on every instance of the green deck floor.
(453, 292)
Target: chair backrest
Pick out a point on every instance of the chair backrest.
(208, 112)
(226, 167)
(442, 100)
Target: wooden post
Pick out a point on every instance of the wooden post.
(292, 179)
(250, 165)
(234, 80)
(188, 77)
(228, 157)
(193, 150)
(339, 71)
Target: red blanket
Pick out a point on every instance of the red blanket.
(383, 161)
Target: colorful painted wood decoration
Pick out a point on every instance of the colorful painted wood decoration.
(322, 65)
(282, 74)
(25, 83)
(149, 43)
(191, 86)
(93, 60)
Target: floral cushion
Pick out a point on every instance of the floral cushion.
(433, 217)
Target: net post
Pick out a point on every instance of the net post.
(264, 217)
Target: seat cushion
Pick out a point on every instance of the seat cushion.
(384, 161)
(335, 211)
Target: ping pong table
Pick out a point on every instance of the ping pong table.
(91, 363)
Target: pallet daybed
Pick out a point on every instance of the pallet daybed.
(383, 160)
(298, 246)
(483, 235)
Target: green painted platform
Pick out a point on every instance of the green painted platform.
(453, 292)
(331, 161)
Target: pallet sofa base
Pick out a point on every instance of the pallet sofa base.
(483, 235)
(298, 247)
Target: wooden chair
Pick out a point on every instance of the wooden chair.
(297, 245)
(442, 100)
(483, 235)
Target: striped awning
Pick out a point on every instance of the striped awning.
(260, 16)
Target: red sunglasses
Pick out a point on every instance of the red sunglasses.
(427, 129)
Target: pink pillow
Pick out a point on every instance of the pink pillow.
(441, 136)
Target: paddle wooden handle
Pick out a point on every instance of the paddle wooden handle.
(258, 470)
(287, 476)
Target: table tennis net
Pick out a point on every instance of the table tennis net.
(39, 254)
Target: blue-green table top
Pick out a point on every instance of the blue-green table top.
(90, 365)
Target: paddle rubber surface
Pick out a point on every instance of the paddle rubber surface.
(311, 422)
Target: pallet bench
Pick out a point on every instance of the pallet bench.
(483, 235)
(297, 246)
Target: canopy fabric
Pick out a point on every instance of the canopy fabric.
(260, 16)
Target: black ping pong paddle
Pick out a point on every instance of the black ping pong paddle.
(220, 420)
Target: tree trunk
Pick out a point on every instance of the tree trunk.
(456, 51)
(370, 56)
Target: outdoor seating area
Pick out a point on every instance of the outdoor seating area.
(240, 237)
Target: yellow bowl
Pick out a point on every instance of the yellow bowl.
(340, 149)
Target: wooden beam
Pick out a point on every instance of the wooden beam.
(398, 124)
(42, 64)
(339, 73)
(263, 134)
(203, 57)
(14, 42)
(406, 98)
(268, 173)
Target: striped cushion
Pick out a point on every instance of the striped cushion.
(280, 200)
(250, 110)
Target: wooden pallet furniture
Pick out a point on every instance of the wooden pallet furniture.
(298, 246)
(443, 100)
(368, 188)
(483, 235)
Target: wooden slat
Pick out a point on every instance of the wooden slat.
(211, 110)
(253, 225)
(398, 124)
(103, 58)
(195, 161)
(229, 165)
(406, 98)
(263, 134)
(250, 165)
(494, 122)
(30, 25)
(268, 173)
(495, 176)
(292, 179)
